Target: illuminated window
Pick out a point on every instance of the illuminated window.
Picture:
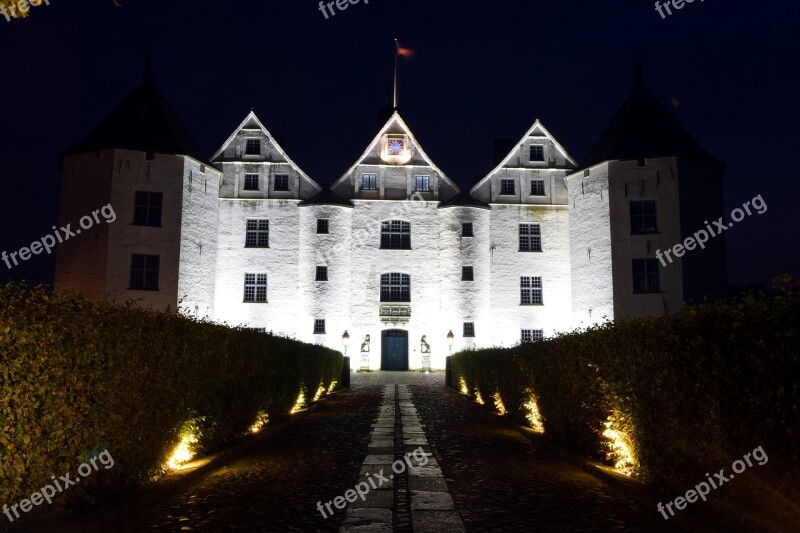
(251, 182)
(257, 234)
(646, 276)
(144, 272)
(530, 238)
(537, 152)
(395, 287)
(531, 290)
(507, 188)
(319, 326)
(395, 235)
(423, 183)
(369, 182)
(255, 288)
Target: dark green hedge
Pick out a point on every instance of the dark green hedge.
(77, 374)
(693, 389)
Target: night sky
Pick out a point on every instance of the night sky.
(482, 71)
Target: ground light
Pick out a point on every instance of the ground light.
(498, 404)
(261, 420)
(534, 417)
(619, 444)
(183, 452)
(299, 404)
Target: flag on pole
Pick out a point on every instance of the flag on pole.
(407, 53)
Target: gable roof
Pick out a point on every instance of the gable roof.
(143, 122)
(643, 128)
(251, 121)
(395, 120)
(537, 128)
(327, 197)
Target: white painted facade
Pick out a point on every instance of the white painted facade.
(582, 260)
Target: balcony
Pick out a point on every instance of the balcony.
(395, 313)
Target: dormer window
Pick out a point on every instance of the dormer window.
(253, 147)
(537, 152)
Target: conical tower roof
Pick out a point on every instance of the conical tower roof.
(144, 122)
(643, 128)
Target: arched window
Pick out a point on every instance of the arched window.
(395, 287)
(395, 235)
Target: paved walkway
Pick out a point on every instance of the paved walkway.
(423, 458)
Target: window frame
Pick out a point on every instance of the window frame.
(395, 235)
(395, 287)
(534, 190)
(464, 232)
(467, 273)
(530, 240)
(147, 209)
(469, 330)
(261, 228)
(319, 326)
(250, 141)
(532, 335)
(250, 176)
(531, 149)
(529, 290)
(426, 183)
(284, 181)
(643, 281)
(504, 182)
(140, 278)
(256, 286)
(323, 226)
(322, 273)
(639, 220)
(369, 179)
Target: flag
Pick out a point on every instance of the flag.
(407, 53)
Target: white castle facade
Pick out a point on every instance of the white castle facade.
(394, 253)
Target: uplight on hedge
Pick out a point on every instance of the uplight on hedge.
(498, 404)
(620, 445)
(182, 453)
(299, 404)
(534, 417)
(320, 392)
(261, 420)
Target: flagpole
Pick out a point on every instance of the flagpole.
(396, 53)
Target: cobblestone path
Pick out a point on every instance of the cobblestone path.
(463, 469)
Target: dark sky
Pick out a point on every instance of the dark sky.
(483, 70)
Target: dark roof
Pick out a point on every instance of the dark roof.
(643, 128)
(327, 197)
(464, 199)
(144, 122)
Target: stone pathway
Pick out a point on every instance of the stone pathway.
(424, 459)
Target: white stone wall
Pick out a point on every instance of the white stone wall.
(508, 316)
(198, 241)
(657, 180)
(590, 247)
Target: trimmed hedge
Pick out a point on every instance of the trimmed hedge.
(694, 390)
(77, 374)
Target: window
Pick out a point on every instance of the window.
(322, 273)
(282, 182)
(467, 274)
(319, 326)
(423, 183)
(147, 208)
(255, 288)
(257, 330)
(257, 234)
(144, 272)
(251, 182)
(537, 187)
(532, 335)
(537, 152)
(322, 225)
(530, 238)
(641, 163)
(643, 217)
(253, 147)
(369, 182)
(469, 329)
(507, 188)
(395, 287)
(531, 290)
(646, 276)
(466, 229)
(395, 235)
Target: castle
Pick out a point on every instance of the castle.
(393, 250)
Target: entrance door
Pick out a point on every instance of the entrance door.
(394, 350)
